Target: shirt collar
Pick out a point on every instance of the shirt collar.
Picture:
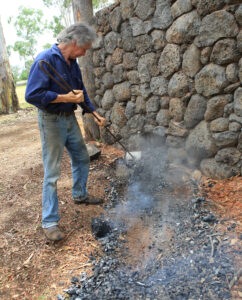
(56, 51)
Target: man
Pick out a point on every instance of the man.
(57, 122)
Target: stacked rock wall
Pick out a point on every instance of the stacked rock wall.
(175, 65)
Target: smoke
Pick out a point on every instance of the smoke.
(137, 203)
(144, 178)
(147, 181)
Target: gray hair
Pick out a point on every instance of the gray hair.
(81, 32)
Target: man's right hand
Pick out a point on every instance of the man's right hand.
(78, 97)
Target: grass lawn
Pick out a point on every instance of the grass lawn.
(20, 90)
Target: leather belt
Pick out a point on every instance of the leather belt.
(61, 113)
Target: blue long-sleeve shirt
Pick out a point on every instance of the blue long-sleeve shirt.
(41, 89)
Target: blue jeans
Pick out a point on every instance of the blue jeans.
(56, 133)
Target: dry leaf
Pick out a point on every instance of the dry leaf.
(233, 242)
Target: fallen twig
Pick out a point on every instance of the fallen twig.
(93, 245)
(220, 242)
(212, 250)
(82, 266)
(211, 295)
(25, 264)
(69, 233)
(212, 241)
(217, 234)
(235, 278)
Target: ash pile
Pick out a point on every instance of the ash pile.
(175, 251)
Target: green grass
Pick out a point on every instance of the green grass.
(20, 90)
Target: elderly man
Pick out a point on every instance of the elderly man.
(57, 122)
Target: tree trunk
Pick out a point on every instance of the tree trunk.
(83, 12)
(8, 97)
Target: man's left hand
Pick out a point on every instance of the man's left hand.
(101, 121)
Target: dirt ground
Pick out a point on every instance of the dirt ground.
(30, 266)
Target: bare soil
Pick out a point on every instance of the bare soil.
(32, 267)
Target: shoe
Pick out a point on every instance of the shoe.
(54, 233)
(88, 199)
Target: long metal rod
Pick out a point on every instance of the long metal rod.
(63, 84)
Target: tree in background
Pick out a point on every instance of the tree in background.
(29, 26)
(8, 97)
(83, 11)
(64, 8)
(64, 17)
(99, 4)
(47, 46)
(56, 26)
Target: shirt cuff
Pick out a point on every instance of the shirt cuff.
(49, 97)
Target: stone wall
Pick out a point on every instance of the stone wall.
(175, 66)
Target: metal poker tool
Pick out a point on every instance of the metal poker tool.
(65, 85)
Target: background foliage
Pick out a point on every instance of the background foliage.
(30, 25)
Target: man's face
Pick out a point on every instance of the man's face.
(78, 51)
